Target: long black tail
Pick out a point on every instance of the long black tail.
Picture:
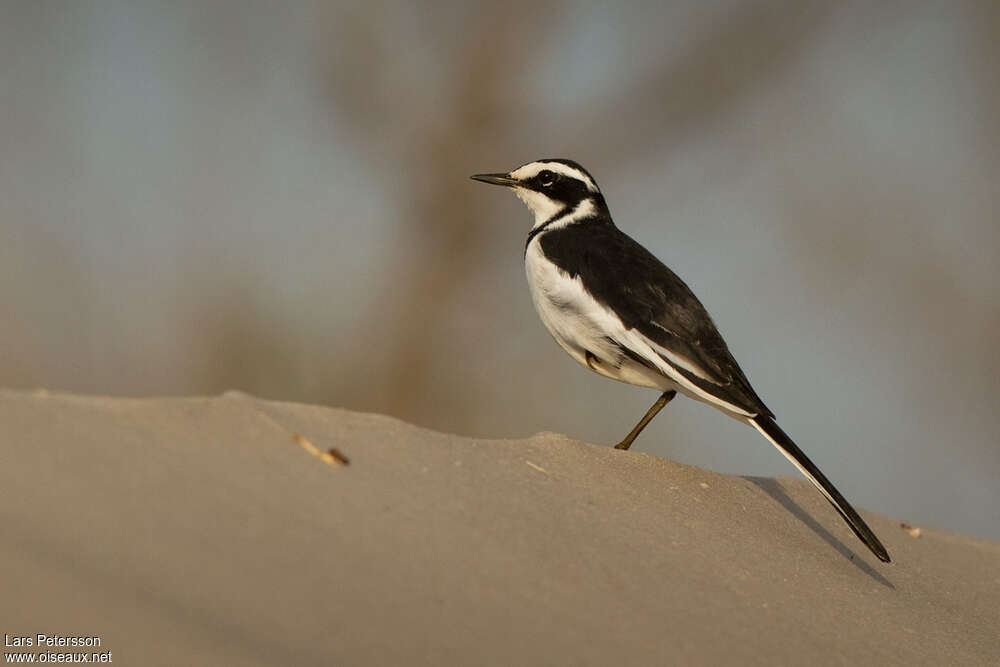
(791, 451)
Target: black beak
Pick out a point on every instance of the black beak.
(496, 179)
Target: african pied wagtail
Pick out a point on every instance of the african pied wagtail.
(620, 312)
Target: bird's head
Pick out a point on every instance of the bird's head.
(550, 188)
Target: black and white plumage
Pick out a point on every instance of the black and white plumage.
(620, 312)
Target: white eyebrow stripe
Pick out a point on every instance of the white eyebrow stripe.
(533, 168)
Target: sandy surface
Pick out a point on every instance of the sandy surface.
(201, 531)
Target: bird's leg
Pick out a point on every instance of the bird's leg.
(664, 398)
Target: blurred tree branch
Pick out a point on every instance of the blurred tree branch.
(748, 45)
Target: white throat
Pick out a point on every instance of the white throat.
(541, 206)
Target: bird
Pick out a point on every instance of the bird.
(620, 312)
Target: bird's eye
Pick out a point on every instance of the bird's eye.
(546, 178)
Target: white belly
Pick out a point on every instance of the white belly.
(581, 325)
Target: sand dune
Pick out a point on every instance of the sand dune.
(219, 531)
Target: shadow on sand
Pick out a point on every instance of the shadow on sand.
(773, 488)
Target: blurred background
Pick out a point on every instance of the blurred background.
(274, 197)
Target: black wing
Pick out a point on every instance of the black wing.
(651, 299)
